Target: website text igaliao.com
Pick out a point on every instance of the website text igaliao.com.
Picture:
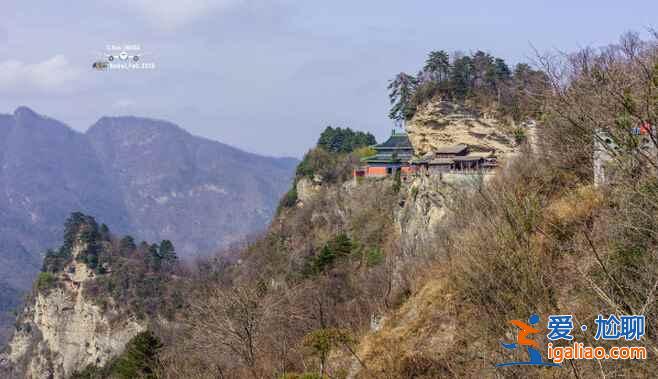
(579, 351)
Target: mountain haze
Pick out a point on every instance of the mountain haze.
(143, 177)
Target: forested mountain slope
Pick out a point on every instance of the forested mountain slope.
(418, 276)
(146, 177)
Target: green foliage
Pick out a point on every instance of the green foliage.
(427, 91)
(341, 246)
(339, 140)
(104, 231)
(46, 281)
(139, 360)
(168, 253)
(127, 244)
(480, 78)
(375, 256)
(519, 135)
(161, 256)
(84, 229)
(437, 65)
(461, 77)
(135, 277)
(316, 161)
(330, 167)
(337, 152)
(320, 342)
(325, 259)
(290, 198)
(414, 192)
(401, 91)
(54, 261)
(77, 228)
(153, 258)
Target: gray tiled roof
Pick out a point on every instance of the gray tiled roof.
(441, 161)
(396, 141)
(456, 149)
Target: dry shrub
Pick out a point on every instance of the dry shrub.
(540, 239)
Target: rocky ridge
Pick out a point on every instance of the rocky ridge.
(442, 123)
(62, 330)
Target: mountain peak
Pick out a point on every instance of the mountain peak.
(23, 112)
(117, 123)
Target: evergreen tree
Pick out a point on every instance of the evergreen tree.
(168, 253)
(127, 244)
(153, 257)
(139, 358)
(437, 65)
(341, 245)
(324, 259)
(461, 76)
(344, 140)
(86, 230)
(402, 89)
(502, 71)
(498, 76)
(482, 70)
(104, 232)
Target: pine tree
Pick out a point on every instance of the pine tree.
(402, 89)
(344, 140)
(341, 245)
(462, 76)
(153, 257)
(140, 357)
(437, 65)
(168, 253)
(325, 259)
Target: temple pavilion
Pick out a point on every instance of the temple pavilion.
(393, 155)
(397, 154)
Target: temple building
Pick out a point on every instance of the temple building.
(397, 153)
(456, 158)
(393, 155)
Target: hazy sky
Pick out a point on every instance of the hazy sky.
(267, 76)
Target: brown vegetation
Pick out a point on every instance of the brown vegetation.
(538, 238)
(300, 296)
(541, 239)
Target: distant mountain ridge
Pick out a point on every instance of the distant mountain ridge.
(144, 177)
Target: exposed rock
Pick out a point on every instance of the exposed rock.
(307, 189)
(444, 123)
(62, 331)
(422, 212)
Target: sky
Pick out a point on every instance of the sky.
(268, 76)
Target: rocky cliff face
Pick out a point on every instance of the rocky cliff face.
(61, 330)
(423, 208)
(444, 123)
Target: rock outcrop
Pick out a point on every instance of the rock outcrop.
(444, 123)
(423, 208)
(62, 330)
